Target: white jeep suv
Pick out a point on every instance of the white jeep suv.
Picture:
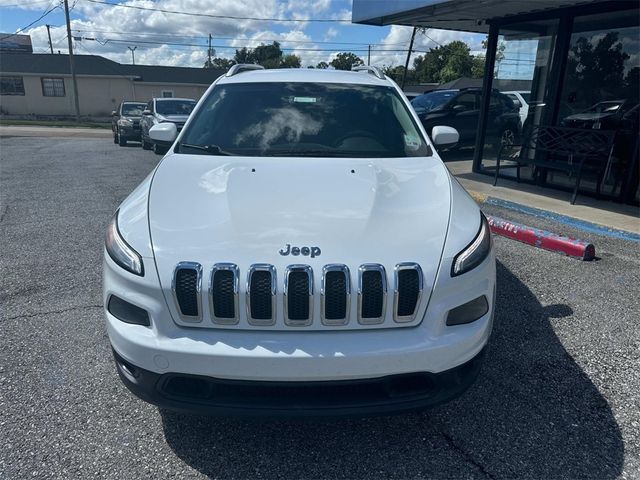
(301, 249)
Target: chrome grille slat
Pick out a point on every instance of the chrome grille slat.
(261, 294)
(372, 293)
(335, 293)
(223, 293)
(409, 284)
(298, 295)
(186, 287)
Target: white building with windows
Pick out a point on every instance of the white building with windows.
(41, 84)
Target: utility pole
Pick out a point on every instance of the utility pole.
(209, 52)
(406, 64)
(49, 33)
(71, 61)
(133, 57)
(369, 56)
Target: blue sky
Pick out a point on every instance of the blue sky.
(116, 28)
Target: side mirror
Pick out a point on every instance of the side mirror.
(444, 136)
(459, 108)
(114, 113)
(146, 112)
(164, 132)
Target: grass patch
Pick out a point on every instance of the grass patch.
(55, 123)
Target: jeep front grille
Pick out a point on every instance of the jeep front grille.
(335, 294)
(187, 281)
(223, 293)
(298, 296)
(261, 294)
(372, 293)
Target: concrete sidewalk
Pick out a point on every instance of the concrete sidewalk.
(37, 131)
(587, 209)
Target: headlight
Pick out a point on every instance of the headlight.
(125, 122)
(475, 252)
(120, 252)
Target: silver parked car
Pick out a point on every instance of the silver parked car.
(164, 110)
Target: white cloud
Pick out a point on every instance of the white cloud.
(331, 33)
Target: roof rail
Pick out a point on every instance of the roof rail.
(243, 67)
(369, 69)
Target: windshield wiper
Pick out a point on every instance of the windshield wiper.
(209, 149)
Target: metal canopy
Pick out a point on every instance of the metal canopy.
(465, 15)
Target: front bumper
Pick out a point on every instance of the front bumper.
(214, 396)
(130, 132)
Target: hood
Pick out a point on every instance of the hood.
(244, 210)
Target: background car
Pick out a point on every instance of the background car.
(603, 115)
(164, 110)
(521, 100)
(460, 109)
(125, 122)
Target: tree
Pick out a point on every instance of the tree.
(346, 61)
(322, 65)
(444, 63)
(477, 66)
(397, 72)
(290, 61)
(269, 56)
(220, 63)
(243, 55)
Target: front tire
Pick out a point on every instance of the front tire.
(145, 145)
(158, 150)
(508, 136)
(115, 137)
(122, 141)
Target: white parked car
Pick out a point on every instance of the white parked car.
(301, 249)
(521, 100)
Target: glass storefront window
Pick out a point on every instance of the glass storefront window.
(524, 59)
(600, 91)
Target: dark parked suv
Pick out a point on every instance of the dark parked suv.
(460, 109)
(125, 122)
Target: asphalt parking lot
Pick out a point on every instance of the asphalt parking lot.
(558, 397)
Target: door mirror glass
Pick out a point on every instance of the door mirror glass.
(114, 113)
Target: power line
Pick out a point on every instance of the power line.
(232, 47)
(226, 17)
(280, 40)
(44, 14)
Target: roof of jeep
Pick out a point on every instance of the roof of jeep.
(313, 75)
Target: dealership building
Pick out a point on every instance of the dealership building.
(581, 59)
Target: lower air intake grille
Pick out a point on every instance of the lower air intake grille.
(187, 289)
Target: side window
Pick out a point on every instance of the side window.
(467, 100)
(495, 101)
(11, 86)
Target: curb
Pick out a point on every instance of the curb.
(583, 225)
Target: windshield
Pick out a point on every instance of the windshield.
(133, 109)
(432, 101)
(304, 119)
(174, 107)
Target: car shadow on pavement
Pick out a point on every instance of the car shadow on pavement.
(533, 413)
